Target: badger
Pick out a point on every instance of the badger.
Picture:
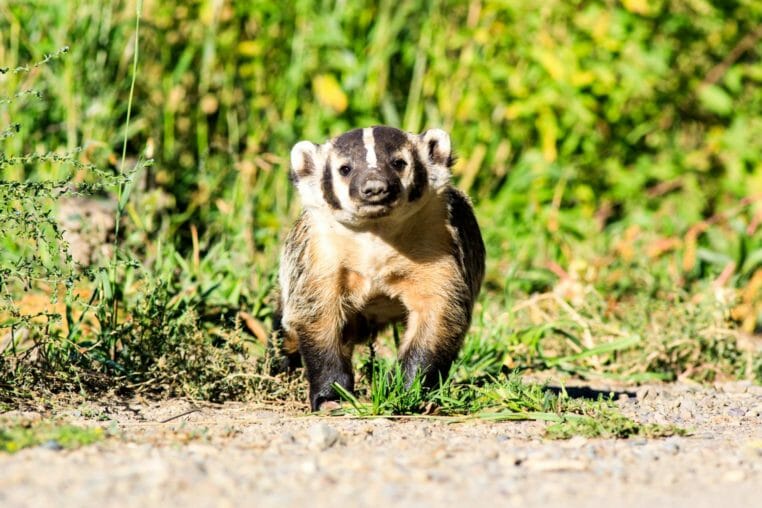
(383, 237)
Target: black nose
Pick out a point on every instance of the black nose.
(374, 190)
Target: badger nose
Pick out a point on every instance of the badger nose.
(374, 190)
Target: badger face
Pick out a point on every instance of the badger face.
(369, 174)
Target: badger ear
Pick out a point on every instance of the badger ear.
(434, 148)
(438, 148)
(303, 160)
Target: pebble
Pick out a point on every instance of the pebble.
(322, 436)
(671, 448)
(736, 411)
(309, 466)
(51, 445)
(549, 465)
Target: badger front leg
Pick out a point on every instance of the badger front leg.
(327, 360)
(435, 330)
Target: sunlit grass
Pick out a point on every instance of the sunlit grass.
(17, 436)
(505, 397)
(622, 232)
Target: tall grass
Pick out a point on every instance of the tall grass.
(610, 149)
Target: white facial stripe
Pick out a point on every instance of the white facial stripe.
(370, 147)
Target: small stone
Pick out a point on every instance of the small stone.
(438, 476)
(736, 411)
(323, 436)
(491, 455)
(670, 447)
(309, 467)
(549, 465)
(51, 445)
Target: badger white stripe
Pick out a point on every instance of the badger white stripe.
(370, 147)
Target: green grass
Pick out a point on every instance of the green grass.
(500, 398)
(17, 436)
(600, 420)
(609, 150)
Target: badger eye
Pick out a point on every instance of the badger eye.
(399, 164)
(345, 170)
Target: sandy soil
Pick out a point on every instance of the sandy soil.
(179, 453)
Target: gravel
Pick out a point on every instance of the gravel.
(243, 454)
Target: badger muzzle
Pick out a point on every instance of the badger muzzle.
(375, 188)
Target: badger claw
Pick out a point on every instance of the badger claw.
(329, 405)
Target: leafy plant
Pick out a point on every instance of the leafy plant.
(610, 150)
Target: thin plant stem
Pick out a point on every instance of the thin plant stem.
(122, 183)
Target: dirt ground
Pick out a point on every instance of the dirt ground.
(179, 453)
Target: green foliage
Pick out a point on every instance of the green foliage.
(600, 420)
(611, 149)
(596, 103)
(504, 397)
(18, 436)
(137, 329)
(637, 339)
(387, 392)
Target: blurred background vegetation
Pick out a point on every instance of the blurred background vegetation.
(613, 150)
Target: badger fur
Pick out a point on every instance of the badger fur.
(384, 237)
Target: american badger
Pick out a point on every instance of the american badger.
(383, 238)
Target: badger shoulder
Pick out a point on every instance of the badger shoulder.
(467, 238)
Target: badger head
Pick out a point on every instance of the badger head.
(370, 174)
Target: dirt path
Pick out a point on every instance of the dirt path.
(243, 455)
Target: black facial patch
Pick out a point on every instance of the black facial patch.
(388, 141)
(354, 188)
(350, 147)
(420, 179)
(327, 187)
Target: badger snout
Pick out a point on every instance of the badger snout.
(374, 190)
(377, 190)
